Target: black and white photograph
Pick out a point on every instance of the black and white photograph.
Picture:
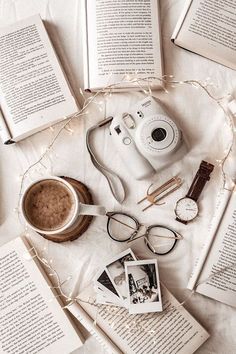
(104, 280)
(116, 271)
(143, 286)
(106, 288)
(104, 298)
(104, 295)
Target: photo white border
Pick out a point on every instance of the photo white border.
(110, 295)
(114, 259)
(155, 306)
(103, 296)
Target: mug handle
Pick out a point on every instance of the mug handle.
(87, 209)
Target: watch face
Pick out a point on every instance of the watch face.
(186, 209)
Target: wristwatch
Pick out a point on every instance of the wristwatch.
(187, 208)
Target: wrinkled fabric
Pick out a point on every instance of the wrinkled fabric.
(205, 131)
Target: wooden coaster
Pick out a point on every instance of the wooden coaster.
(85, 220)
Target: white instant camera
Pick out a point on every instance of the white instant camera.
(146, 138)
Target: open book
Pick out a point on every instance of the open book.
(31, 318)
(214, 274)
(208, 28)
(121, 38)
(34, 92)
(175, 331)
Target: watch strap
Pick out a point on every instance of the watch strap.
(200, 179)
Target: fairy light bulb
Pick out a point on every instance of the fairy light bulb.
(70, 130)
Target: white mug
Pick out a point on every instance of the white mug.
(78, 208)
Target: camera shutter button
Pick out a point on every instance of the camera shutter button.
(126, 141)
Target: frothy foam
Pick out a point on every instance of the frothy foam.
(49, 205)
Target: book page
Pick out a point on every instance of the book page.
(209, 29)
(123, 38)
(33, 89)
(171, 332)
(222, 200)
(31, 319)
(221, 260)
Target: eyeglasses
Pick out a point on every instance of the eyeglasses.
(159, 239)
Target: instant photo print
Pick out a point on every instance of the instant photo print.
(103, 281)
(143, 286)
(105, 289)
(116, 271)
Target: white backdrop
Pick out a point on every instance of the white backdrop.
(205, 131)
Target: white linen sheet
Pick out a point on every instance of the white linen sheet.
(207, 136)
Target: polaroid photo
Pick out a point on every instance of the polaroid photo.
(103, 281)
(104, 300)
(116, 271)
(143, 286)
(107, 297)
(105, 293)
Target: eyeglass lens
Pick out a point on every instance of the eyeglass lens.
(160, 240)
(121, 227)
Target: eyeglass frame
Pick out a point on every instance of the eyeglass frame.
(177, 236)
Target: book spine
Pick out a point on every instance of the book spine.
(78, 312)
(223, 200)
(4, 131)
(85, 45)
(181, 19)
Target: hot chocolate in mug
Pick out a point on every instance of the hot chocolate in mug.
(51, 206)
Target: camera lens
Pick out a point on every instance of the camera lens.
(159, 134)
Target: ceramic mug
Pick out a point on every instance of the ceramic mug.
(51, 199)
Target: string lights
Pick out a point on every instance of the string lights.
(139, 323)
(115, 314)
(145, 85)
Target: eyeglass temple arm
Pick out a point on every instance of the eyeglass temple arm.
(111, 217)
(178, 237)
